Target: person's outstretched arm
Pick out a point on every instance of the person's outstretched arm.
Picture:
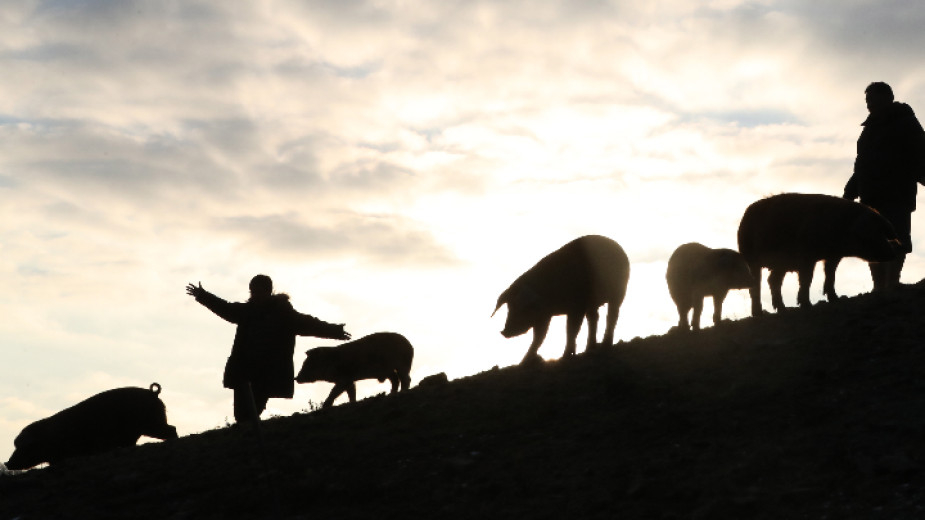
(306, 325)
(230, 312)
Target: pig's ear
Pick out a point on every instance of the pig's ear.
(501, 301)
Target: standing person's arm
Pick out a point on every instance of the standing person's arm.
(306, 325)
(230, 312)
(914, 148)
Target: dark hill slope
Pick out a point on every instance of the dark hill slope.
(815, 413)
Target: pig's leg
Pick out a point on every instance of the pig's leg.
(698, 310)
(335, 393)
(718, 300)
(775, 280)
(754, 290)
(352, 392)
(683, 324)
(405, 381)
(684, 307)
(572, 326)
(393, 378)
(613, 312)
(539, 334)
(593, 317)
(806, 279)
(828, 286)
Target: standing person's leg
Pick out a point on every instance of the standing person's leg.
(248, 401)
(242, 397)
(260, 399)
(879, 274)
(902, 223)
(896, 268)
(886, 274)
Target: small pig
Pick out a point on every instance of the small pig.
(382, 355)
(574, 280)
(793, 231)
(696, 271)
(108, 420)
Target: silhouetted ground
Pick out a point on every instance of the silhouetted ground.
(815, 413)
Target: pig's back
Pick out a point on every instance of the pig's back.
(793, 228)
(591, 263)
(380, 349)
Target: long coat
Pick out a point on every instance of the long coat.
(890, 159)
(264, 342)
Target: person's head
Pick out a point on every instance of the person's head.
(261, 287)
(879, 95)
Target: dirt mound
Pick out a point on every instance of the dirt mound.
(811, 413)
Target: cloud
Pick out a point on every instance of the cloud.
(861, 30)
(370, 239)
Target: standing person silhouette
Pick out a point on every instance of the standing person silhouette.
(260, 363)
(890, 160)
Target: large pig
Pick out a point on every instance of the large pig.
(382, 355)
(696, 271)
(793, 231)
(108, 420)
(574, 280)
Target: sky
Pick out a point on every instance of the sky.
(394, 166)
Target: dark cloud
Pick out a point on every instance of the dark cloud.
(372, 240)
(882, 30)
(301, 69)
(89, 160)
(745, 118)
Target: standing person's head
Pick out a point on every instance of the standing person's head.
(879, 95)
(261, 287)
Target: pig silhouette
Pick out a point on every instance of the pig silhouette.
(696, 271)
(574, 280)
(108, 420)
(793, 231)
(382, 355)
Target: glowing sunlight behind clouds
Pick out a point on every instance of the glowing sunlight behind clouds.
(393, 166)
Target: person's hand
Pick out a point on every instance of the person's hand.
(195, 291)
(343, 333)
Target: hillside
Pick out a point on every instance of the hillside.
(812, 413)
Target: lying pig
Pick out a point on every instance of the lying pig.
(696, 271)
(574, 280)
(382, 355)
(108, 420)
(793, 231)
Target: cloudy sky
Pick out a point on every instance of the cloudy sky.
(393, 165)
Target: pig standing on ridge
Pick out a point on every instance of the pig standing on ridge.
(696, 271)
(793, 231)
(108, 420)
(382, 355)
(574, 280)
